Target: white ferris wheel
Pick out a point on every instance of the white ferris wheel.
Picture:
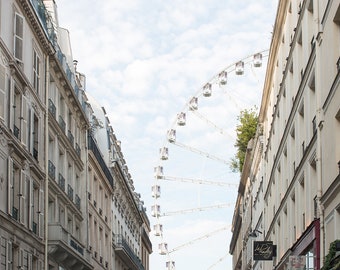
(194, 190)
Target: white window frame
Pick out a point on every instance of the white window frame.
(36, 70)
(18, 37)
(2, 92)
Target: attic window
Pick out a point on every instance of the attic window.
(301, 108)
(292, 132)
(337, 16)
(337, 116)
(299, 39)
(311, 82)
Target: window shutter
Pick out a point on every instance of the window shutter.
(10, 186)
(31, 206)
(18, 37)
(22, 197)
(21, 259)
(30, 129)
(29, 261)
(2, 92)
(9, 255)
(41, 213)
(40, 265)
(11, 101)
(24, 120)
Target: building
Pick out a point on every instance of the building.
(289, 190)
(63, 193)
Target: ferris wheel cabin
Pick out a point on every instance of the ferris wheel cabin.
(239, 68)
(207, 90)
(158, 229)
(156, 191)
(257, 60)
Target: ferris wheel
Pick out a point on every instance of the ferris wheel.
(194, 189)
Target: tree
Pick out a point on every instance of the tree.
(245, 130)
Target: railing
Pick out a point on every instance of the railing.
(35, 228)
(15, 212)
(93, 147)
(45, 19)
(61, 182)
(76, 246)
(48, 26)
(57, 233)
(78, 149)
(51, 169)
(70, 192)
(35, 153)
(70, 137)
(77, 201)
(62, 123)
(121, 243)
(16, 131)
(51, 107)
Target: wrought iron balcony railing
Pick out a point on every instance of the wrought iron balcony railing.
(51, 169)
(70, 192)
(62, 123)
(51, 107)
(61, 182)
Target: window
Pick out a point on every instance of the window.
(6, 254)
(2, 91)
(18, 37)
(34, 137)
(309, 260)
(36, 71)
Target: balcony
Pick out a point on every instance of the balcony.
(51, 108)
(124, 251)
(45, 19)
(70, 137)
(96, 152)
(77, 201)
(16, 131)
(35, 228)
(70, 192)
(51, 169)
(66, 250)
(78, 149)
(15, 213)
(61, 182)
(62, 123)
(35, 153)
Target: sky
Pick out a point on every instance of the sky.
(144, 60)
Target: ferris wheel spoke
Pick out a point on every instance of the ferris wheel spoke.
(197, 181)
(199, 238)
(211, 123)
(218, 261)
(198, 209)
(200, 152)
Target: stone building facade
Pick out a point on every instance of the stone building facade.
(289, 188)
(66, 202)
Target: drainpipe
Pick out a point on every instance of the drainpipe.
(319, 122)
(47, 79)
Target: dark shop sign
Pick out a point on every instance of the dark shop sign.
(263, 250)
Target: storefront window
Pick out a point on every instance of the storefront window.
(310, 260)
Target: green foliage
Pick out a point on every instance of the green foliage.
(330, 256)
(245, 130)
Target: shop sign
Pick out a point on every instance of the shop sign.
(263, 250)
(297, 262)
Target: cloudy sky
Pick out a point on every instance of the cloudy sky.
(144, 60)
